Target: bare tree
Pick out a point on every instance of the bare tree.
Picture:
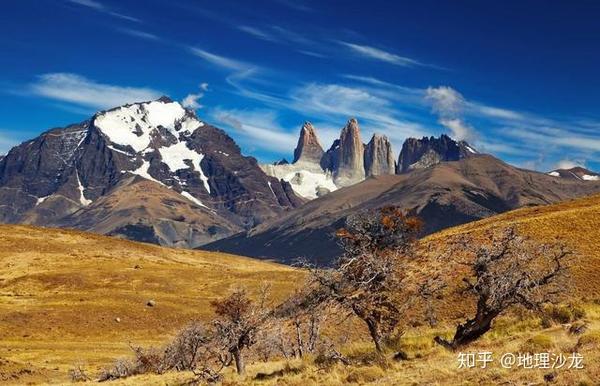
(238, 320)
(191, 345)
(509, 270)
(368, 279)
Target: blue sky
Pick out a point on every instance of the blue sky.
(517, 79)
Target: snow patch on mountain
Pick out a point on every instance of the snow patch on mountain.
(84, 201)
(309, 184)
(192, 199)
(554, 174)
(143, 171)
(132, 125)
(587, 177)
(307, 179)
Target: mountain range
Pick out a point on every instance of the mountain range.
(148, 171)
(154, 172)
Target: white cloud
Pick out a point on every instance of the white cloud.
(258, 33)
(257, 128)
(568, 164)
(449, 105)
(139, 34)
(192, 101)
(82, 91)
(89, 3)
(381, 55)
(98, 6)
(446, 101)
(221, 61)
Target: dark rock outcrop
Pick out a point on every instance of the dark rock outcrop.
(426, 152)
(379, 156)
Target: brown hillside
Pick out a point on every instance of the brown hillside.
(61, 293)
(575, 223)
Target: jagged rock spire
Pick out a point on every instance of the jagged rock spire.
(309, 148)
(379, 156)
(349, 165)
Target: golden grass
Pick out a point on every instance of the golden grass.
(68, 296)
(61, 292)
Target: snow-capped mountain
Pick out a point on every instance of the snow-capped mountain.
(348, 161)
(577, 173)
(315, 172)
(89, 174)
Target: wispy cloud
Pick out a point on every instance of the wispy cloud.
(449, 105)
(381, 55)
(295, 5)
(98, 6)
(221, 61)
(569, 164)
(258, 129)
(139, 34)
(82, 91)
(258, 33)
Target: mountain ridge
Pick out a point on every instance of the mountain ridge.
(49, 179)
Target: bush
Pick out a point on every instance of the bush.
(120, 369)
(564, 313)
(187, 348)
(537, 343)
(591, 339)
(78, 374)
(363, 375)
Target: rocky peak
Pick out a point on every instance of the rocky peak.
(428, 151)
(349, 160)
(309, 148)
(54, 176)
(379, 156)
(576, 173)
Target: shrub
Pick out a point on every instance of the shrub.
(362, 375)
(537, 343)
(78, 374)
(564, 313)
(591, 339)
(120, 369)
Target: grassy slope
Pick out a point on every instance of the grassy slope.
(61, 293)
(575, 223)
(58, 275)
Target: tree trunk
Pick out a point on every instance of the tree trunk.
(472, 329)
(239, 361)
(374, 332)
(299, 341)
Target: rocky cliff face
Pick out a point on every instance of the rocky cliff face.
(348, 165)
(62, 174)
(426, 152)
(379, 157)
(309, 148)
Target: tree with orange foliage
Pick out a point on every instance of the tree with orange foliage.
(369, 277)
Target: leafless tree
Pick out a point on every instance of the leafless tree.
(509, 270)
(238, 321)
(193, 344)
(369, 279)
